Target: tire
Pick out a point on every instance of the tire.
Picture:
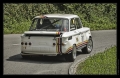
(89, 47)
(72, 56)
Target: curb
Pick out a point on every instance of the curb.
(73, 67)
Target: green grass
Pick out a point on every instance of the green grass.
(99, 64)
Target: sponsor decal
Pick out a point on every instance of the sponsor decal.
(77, 45)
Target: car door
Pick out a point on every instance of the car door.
(81, 34)
(73, 29)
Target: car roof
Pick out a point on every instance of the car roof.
(68, 16)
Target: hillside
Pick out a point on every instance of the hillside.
(97, 16)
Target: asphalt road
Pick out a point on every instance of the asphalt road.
(14, 64)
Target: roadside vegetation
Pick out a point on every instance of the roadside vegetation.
(98, 16)
(104, 63)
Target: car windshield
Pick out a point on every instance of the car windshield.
(49, 24)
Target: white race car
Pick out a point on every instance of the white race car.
(56, 34)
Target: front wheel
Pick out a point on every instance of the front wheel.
(88, 47)
(72, 56)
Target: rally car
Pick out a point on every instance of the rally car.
(56, 34)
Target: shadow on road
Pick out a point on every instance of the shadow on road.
(38, 59)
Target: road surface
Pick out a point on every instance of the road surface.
(14, 64)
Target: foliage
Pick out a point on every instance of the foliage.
(17, 16)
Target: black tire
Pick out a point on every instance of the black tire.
(89, 47)
(72, 56)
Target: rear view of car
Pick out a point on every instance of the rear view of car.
(43, 37)
(56, 34)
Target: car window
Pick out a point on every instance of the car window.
(72, 24)
(50, 24)
(34, 25)
(78, 23)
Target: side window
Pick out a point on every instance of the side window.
(72, 24)
(78, 23)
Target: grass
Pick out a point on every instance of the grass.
(104, 63)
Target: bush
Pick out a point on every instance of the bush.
(17, 17)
